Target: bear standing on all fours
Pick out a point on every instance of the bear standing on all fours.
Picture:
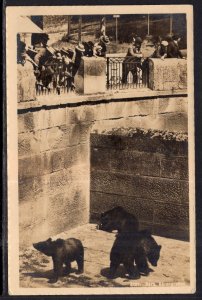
(62, 252)
(119, 219)
(130, 247)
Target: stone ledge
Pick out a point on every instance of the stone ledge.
(49, 101)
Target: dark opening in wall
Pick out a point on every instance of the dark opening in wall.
(146, 172)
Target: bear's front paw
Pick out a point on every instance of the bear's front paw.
(144, 272)
(79, 271)
(134, 276)
(111, 275)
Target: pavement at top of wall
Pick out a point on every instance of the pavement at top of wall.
(172, 270)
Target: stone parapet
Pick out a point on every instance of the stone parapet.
(169, 74)
(26, 79)
(91, 76)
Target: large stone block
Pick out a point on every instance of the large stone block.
(177, 122)
(80, 114)
(141, 208)
(168, 74)
(91, 77)
(57, 159)
(80, 133)
(31, 188)
(135, 162)
(140, 143)
(36, 165)
(171, 231)
(169, 214)
(177, 167)
(100, 158)
(161, 189)
(29, 143)
(26, 82)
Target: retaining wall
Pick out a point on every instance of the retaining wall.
(147, 175)
(54, 156)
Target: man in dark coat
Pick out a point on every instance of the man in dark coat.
(173, 50)
(132, 62)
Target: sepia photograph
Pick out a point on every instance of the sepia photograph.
(100, 139)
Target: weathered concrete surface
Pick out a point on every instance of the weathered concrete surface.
(172, 269)
(91, 76)
(169, 74)
(26, 82)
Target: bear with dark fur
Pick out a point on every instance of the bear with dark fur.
(139, 247)
(119, 219)
(62, 252)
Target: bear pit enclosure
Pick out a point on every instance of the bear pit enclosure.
(84, 154)
(36, 269)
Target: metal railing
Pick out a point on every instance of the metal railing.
(126, 73)
(54, 78)
(121, 73)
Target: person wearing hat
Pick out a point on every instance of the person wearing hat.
(97, 50)
(132, 62)
(160, 50)
(79, 52)
(43, 52)
(100, 48)
(173, 50)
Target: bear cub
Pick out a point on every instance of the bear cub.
(139, 247)
(62, 252)
(119, 219)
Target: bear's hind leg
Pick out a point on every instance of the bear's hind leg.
(132, 270)
(113, 268)
(67, 267)
(80, 263)
(57, 268)
(142, 265)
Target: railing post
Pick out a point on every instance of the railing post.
(107, 72)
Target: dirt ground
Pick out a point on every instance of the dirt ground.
(172, 269)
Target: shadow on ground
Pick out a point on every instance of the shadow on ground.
(36, 269)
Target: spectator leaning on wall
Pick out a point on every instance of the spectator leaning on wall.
(100, 48)
(132, 62)
(173, 50)
(160, 48)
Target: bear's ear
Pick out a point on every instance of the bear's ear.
(49, 240)
(159, 247)
(146, 232)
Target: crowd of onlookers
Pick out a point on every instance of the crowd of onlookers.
(137, 65)
(55, 68)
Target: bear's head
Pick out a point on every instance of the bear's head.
(154, 255)
(110, 218)
(48, 247)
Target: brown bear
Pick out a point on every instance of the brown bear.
(62, 252)
(138, 247)
(119, 219)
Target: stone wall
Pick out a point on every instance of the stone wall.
(169, 74)
(147, 174)
(54, 156)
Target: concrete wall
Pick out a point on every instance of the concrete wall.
(145, 173)
(54, 156)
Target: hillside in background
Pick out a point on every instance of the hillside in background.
(128, 26)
